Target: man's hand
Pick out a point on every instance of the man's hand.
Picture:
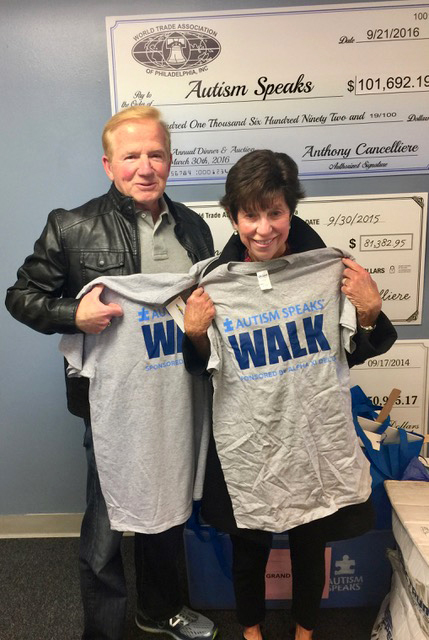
(362, 292)
(92, 316)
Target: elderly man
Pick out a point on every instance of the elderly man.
(134, 228)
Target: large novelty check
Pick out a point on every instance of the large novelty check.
(343, 89)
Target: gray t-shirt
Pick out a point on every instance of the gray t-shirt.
(282, 417)
(149, 417)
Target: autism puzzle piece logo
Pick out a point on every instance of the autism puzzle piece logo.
(345, 567)
(143, 315)
(228, 325)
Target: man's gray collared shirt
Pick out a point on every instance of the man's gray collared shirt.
(161, 252)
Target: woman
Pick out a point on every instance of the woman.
(284, 454)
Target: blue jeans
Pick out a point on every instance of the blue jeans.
(102, 578)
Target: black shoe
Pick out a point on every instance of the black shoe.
(186, 625)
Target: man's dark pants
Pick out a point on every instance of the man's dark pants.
(102, 577)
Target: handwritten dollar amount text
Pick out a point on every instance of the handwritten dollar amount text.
(406, 401)
(386, 242)
(390, 83)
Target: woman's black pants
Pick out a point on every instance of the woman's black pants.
(307, 550)
(250, 557)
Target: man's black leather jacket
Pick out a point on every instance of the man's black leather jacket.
(100, 238)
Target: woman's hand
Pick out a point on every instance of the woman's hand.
(199, 313)
(362, 292)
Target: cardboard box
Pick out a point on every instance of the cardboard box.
(405, 612)
(402, 614)
(358, 571)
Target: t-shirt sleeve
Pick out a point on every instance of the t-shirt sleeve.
(197, 269)
(348, 323)
(76, 349)
(214, 363)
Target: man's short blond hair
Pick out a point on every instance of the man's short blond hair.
(132, 113)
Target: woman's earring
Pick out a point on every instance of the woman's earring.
(235, 232)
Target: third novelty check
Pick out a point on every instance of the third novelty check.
(406, 367)
(343, 89)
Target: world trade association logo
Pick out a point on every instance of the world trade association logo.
(176, 50)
